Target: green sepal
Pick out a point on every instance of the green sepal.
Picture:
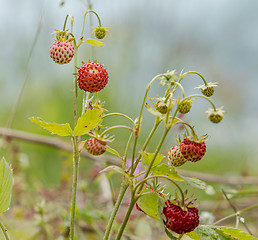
(147, 157)
(88, 121)
(152, 110)
(94, 42)
(168, 171)
(54, 128)
(113, 151)
(113, 168)
(6, 184)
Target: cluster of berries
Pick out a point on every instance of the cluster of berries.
(187, 150)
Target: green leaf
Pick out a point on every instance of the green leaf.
(207, 233)
(147, 157)
(6, 184)
(54, 128)
(194, 235)
(113, 151)
(95, 43)
(194, 182)
(148, 203)
(235, 233)
(168, 171)
(88, 121)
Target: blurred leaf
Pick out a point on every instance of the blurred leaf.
(168, 171)
(54, 128)
(194, 182)
(113, 151)
(95, 43)
(88, 121)
(6, 184)
(207, 233)
(234, 233)
(147, 157)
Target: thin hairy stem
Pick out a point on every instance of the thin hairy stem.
(4, 231)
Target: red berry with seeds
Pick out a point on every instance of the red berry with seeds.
(61, 52)
(175, 157)
(92, 77)
(192, 150)
(95, 146)
(179, 220)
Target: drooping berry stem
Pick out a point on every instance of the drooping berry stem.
(200, 75)
(115, 127)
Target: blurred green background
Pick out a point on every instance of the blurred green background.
(216, 38)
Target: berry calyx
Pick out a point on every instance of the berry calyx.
(192, 150)
(61, 52)
(95, 146)
(100, 32)
(179, 220)
(175, 157)
(185, 106)
(215, 116)
(92, 77)
(161, 107)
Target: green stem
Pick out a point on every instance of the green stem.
(157, 122)
(75, 87)
(76, 160)
(205, 82)
(126, 151)
(126, 218)
(201, 96)
(65, 22)
(4, 231)
(119, 114)
(237, 213)
(123, 189)
(180, 236)
(114, 127)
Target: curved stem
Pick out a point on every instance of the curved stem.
(205, 82)
(201, 96)
(4, 231)
(123, 189)
(181, 87)
(119, 114)
(114, 127)
(126, 150)
(65, 22)
(165, 177)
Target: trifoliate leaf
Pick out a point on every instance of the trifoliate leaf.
(95, 43)
(194, 182)
(168, 171)
(54, 128)
(147, 158)
(88, 121)
(6, 184)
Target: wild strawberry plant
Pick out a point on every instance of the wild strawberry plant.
(176, 212)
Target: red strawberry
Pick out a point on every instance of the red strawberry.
(61, 52)
(192, 150)
(95, 146)
(92, 77)
(175, 156)
(179, 220)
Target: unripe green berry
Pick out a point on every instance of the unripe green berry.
(161, 107)
(185, 106)
(208, 91)
(215, 118)
(100, 33)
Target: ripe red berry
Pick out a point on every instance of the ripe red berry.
(92, 77)
(61, 52)
(95, 146)
(192, 150)
(179, 220)
(175, 157)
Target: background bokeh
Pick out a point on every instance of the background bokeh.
(217, 38)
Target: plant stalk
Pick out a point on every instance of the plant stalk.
(4, 231)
